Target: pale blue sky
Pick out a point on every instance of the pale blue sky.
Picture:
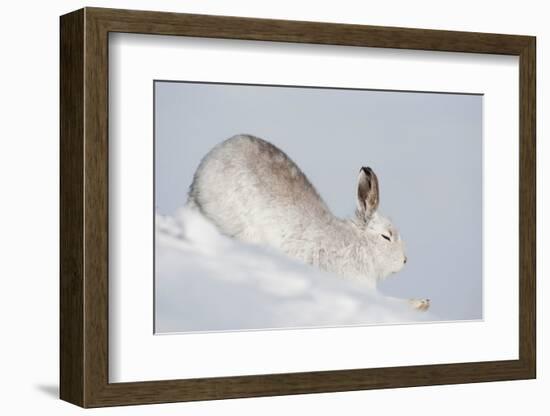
(426, 149)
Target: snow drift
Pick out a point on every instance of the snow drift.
(205, 281)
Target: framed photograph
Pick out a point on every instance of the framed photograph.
(254, 207)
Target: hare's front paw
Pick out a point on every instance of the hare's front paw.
(421, 305)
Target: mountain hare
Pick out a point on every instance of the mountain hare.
(254, 192)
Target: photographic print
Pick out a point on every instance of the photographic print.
(281, 207)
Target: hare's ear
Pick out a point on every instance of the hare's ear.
(368, 195)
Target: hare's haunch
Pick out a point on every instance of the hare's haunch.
(254, 192)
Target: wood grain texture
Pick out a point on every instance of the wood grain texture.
(528, 208)
(162, 23)
(96, 208)
(71, 208)
(84, 207)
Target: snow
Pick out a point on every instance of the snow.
(206, 281)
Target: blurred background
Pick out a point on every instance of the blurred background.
(426, 149)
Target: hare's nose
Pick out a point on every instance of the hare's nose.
(405, 259)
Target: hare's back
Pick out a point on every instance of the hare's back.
(248, 178)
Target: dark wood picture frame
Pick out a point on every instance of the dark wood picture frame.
(84, 207)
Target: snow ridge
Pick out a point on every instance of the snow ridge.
(206, 281)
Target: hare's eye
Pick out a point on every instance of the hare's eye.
(386, 237)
